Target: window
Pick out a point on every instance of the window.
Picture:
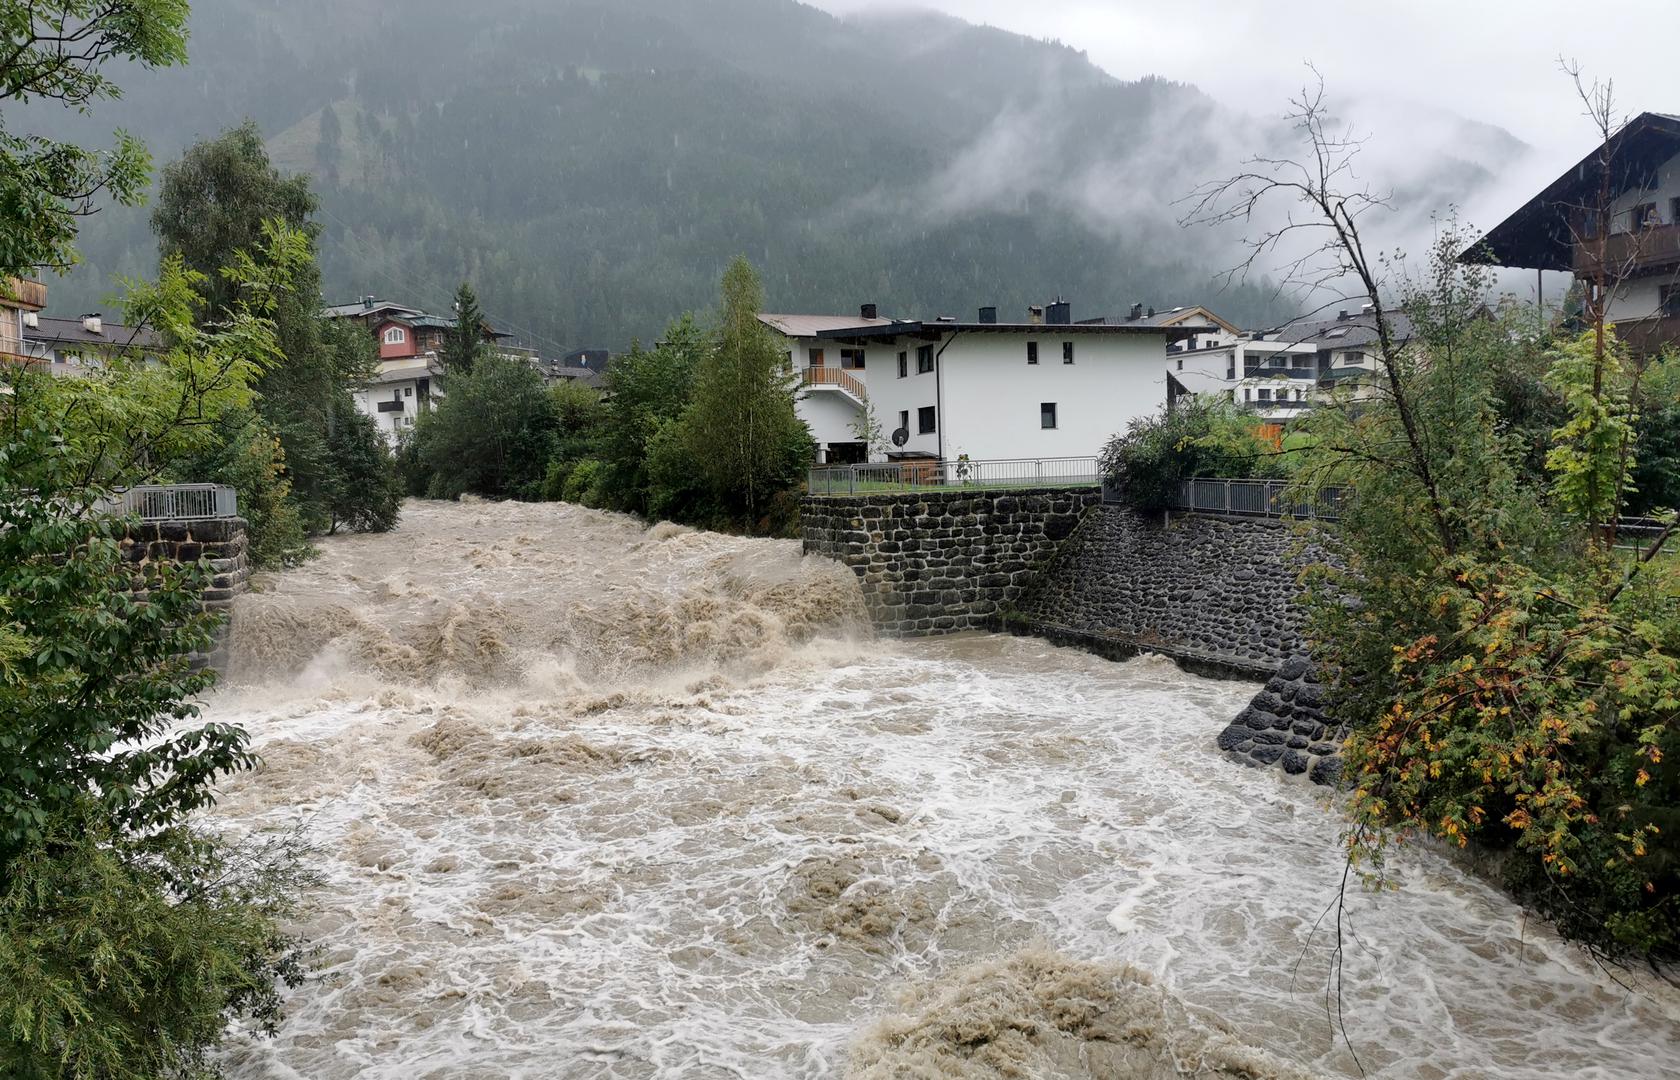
(924, 360)
(1674, 211)
(925, 420)
(1248, 395)
(852, 359)
(815, 356)
(903, 364)
(1265, 395)
(1032, 352)
(408, 391)
(395, 335)
(1231, 365)
(903, 421)
(1642, 217)
(1668, 301)
(1067, 352)
(1181, 363)
(1047, 415)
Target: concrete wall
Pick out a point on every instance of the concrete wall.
(222, 543)
(942, 562)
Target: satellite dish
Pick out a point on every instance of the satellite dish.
(900, 436)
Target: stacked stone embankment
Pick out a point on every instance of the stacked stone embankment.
(222, 543)
(940, 562)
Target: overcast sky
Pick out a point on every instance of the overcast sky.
(1493, 60)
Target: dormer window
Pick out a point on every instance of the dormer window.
(395, 335)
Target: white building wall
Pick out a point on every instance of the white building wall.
(992, 396)
(1637, 299)
(891, 395)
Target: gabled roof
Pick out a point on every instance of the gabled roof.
(1539, 234)
(368, 306)
(1177, 316)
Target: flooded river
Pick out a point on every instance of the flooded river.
(596, 800)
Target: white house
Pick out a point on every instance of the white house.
(988, 390)
(1274, 379)
(400, 391)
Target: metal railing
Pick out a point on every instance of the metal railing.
(177, 502)
(835, 377)
(923, 474)
(1255, 498)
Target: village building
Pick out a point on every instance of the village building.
(20, 300)
(943, 390)
(410, 342)
(1632, 241)
(83, 345)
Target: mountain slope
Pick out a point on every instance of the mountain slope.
(592, 164)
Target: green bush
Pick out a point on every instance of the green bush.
(1198, 437)
(583, 483)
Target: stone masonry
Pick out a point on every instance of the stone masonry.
(940, 562)
(221, 542)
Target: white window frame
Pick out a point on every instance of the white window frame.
(395, 335)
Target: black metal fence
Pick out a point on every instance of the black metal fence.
(1256, 498)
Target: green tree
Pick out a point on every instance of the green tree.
(56, 51)
(214, 202)
(741, 431)
(464, 344)
(491, 435)
(1201, 436)
(647, 391)
(129, 942)
(365, 492)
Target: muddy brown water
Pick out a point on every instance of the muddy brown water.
(602, 801)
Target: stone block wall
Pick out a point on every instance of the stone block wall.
(221, 542)
(940, 562)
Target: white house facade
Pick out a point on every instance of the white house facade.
(399, 393)
(1044, 388)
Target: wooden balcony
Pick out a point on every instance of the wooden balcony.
(24, 293)
(1630, 254)
(828, 378)
(1647, 337)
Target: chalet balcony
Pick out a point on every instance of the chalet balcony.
(1647, 337)
(1280, 373)
(829, 378)
(1630, 253)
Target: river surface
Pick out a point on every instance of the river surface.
(597, 800)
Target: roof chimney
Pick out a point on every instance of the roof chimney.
(1035, 315)
(870, 311)
(93, 323)
(1137, 311)
(367, 301)
(32, 320)
(1059, 313)
(988, 315)
(1152, 312)
(1341, 316)
(1368, 308)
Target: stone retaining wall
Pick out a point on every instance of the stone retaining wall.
(940, 562)
(222, 542)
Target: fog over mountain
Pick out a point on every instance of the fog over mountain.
(592, 164)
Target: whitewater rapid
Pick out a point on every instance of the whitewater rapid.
(597, 800)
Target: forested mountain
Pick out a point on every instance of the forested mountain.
(591, 165)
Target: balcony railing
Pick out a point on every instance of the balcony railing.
(926, 473)
(1630, 252)
(1647, 337)
(177, 502)
(837, 379)
(1280, 373)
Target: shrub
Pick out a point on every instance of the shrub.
(1198, 437)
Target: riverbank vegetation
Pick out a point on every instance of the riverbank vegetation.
(699, 429)
(1505, 644)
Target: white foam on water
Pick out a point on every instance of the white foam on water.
(596, 800)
